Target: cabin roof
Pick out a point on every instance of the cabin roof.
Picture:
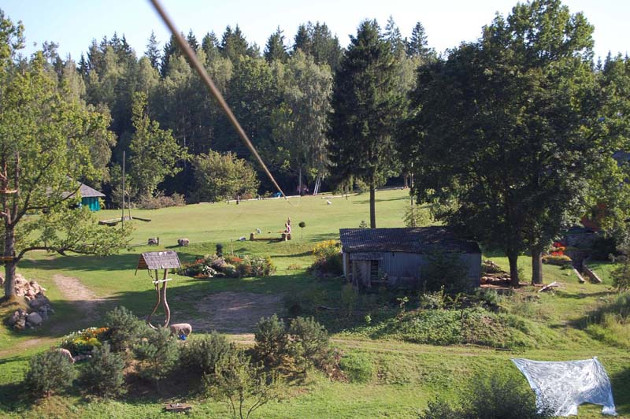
(407, 240)
(166, 259)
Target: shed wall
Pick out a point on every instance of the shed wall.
(405, 269)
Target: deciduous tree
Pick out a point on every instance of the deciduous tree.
(45, 144)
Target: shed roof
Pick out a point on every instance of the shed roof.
(165, 259)
(87, 192)
(408, 240)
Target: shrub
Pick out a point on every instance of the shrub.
(558, 260)
(440, 409)
(219, 250)
(602, 247)
(104, 375)
(49, 372)
(309, 346)
(271, 341)
(157, 352)
(244, 386)
(326, 248)
(202, 355)
(82, 342)
(621, 275)
(445, 270)
(357, 367)
(311, 337)
(124, 328)
(161, 201)
(499, 396)
(493, 396)
(328, 258)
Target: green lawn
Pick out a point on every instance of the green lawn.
(406, 375)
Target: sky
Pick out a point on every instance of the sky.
(73, 24)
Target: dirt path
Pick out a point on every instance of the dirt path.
(234, 312)
(84, 299)
(80, 296)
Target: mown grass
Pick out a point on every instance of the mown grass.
(405, 371)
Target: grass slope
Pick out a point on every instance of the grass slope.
(404, 375)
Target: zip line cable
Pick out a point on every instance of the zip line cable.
(196, 65)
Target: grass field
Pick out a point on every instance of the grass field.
(405, 375)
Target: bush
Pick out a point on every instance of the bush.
(445, 271)
(157, 352)
(244, 386)
(82, 342)
(440, 409)
(499, 396)
(328, 258)
(602, 247)
(124, 328)
(49, 372)
(271, 341)
(202, 355)
(309, 342)
(104, 375)
(493, 396)
(161, 201)
(358, 368)
(558, 260)
(621, 275)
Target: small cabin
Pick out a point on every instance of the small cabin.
(395, 257)
(90, 197)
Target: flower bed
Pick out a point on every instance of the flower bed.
(83, 341)
(229, 266)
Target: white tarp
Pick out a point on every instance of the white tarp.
(563, 386)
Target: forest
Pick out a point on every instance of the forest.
(281, 96)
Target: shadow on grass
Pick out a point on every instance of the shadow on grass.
(620, 383)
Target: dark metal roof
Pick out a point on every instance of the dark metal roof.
(408, 240)
(165, 259)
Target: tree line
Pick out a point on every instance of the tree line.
(281, 96)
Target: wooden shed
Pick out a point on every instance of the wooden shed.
(395, 257)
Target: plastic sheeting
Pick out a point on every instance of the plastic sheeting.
(563, 386)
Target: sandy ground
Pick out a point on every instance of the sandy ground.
(234, 312)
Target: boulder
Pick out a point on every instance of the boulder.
(34, 319)
(14, 318)
(20, 324)
(183, 242)
(39, 301)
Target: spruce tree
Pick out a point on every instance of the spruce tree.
(275, 49)
(366, 103)
(153, 52)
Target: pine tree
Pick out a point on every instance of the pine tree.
(192, 40)
(153, 52)
(275, 48)
(210, 46)
(366, 104)
(417, 46)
